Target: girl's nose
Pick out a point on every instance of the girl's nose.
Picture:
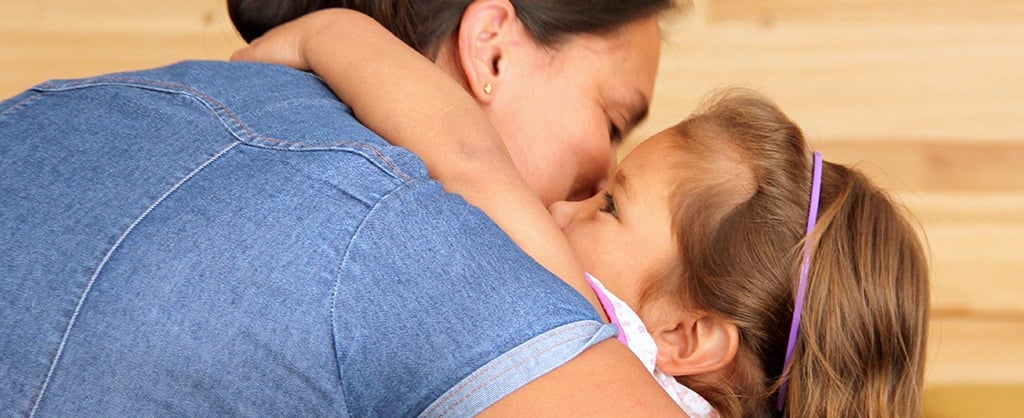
(564, 212)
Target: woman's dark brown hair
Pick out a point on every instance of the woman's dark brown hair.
(423, 23)
(861, 345)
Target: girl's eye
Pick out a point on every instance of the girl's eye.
(609, 205)
(614, 133)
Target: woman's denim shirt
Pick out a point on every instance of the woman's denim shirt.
(225, 238)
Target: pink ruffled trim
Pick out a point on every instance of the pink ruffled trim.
(633, 333)
(609, 309)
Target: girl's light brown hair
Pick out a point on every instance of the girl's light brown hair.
(861, 345)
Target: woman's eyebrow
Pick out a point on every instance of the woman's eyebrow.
(639, 114)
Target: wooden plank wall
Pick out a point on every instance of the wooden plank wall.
(928, 97)
(925, 95)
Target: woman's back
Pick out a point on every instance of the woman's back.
(192, 240)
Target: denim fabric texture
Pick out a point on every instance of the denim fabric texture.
(217, 238)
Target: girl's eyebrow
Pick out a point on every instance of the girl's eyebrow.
(622, 183)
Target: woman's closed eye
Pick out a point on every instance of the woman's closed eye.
(609, 205)
(615, 133)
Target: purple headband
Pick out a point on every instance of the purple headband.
(805, 267)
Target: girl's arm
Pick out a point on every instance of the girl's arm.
(406, 99)
(409, 101)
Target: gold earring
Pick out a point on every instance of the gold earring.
(487, 88)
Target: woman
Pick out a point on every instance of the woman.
(540, 70)
(213, 238)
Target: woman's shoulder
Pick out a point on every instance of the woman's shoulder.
(278, 108)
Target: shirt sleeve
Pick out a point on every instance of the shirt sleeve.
(437, 312)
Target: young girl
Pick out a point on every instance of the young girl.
(736, 263)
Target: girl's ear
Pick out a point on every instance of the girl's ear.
(484, 36)
(691, 343)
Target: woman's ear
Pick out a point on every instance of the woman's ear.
(484, 32)
(693, 343)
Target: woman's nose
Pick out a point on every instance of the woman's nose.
(593, 183)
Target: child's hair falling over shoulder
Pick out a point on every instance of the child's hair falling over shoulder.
(861, 341)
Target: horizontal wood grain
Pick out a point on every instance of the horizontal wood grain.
(40, 55)
(935, 166)
(891, 82)
(975, 400)
(113, 16)
(972, 351)
(864, 11)
(46, 39)
(976, 269)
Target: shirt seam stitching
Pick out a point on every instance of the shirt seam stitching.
(41, 392)
(453, 400)
(341, 267)
(24, 102)
(222, 111)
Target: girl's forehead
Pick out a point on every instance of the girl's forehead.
(662, 147)
(655, 163)
(680, 166)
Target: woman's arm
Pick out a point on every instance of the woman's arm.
(406, 99)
